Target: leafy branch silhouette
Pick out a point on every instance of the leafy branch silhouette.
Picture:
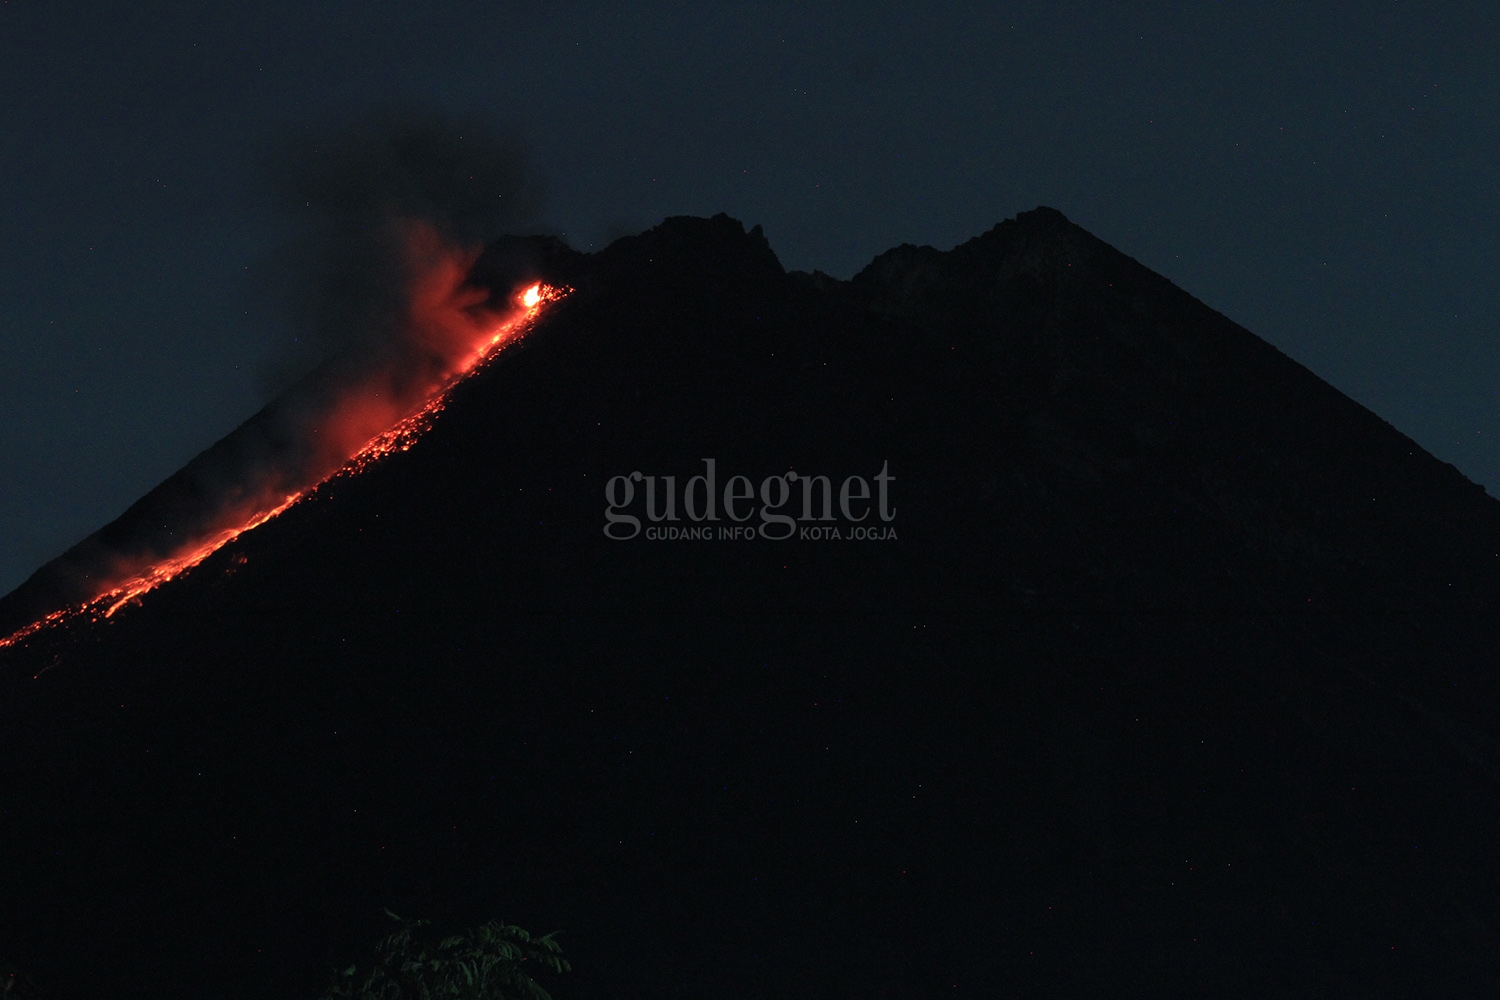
(489, 962)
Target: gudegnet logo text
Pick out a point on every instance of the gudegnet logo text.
(789, 505)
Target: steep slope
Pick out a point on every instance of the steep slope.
(1175, 675)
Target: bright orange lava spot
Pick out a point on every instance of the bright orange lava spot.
(443, 310)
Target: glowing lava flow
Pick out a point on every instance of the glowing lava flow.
(400, 436)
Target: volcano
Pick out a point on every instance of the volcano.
(1002, 621)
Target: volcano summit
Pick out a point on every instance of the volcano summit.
(1169, 673)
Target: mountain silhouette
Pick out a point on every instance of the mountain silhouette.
(1117, 655)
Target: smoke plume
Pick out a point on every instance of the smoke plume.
(374, 205)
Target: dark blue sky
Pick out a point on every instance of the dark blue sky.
(1326, 174)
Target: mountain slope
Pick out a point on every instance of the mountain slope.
(1175, 675)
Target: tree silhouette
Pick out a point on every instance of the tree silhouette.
(489, 962)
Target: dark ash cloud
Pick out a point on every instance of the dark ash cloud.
(354, 194)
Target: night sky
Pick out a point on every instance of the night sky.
(1327, 175)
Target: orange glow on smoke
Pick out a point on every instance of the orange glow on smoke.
(455, 329)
